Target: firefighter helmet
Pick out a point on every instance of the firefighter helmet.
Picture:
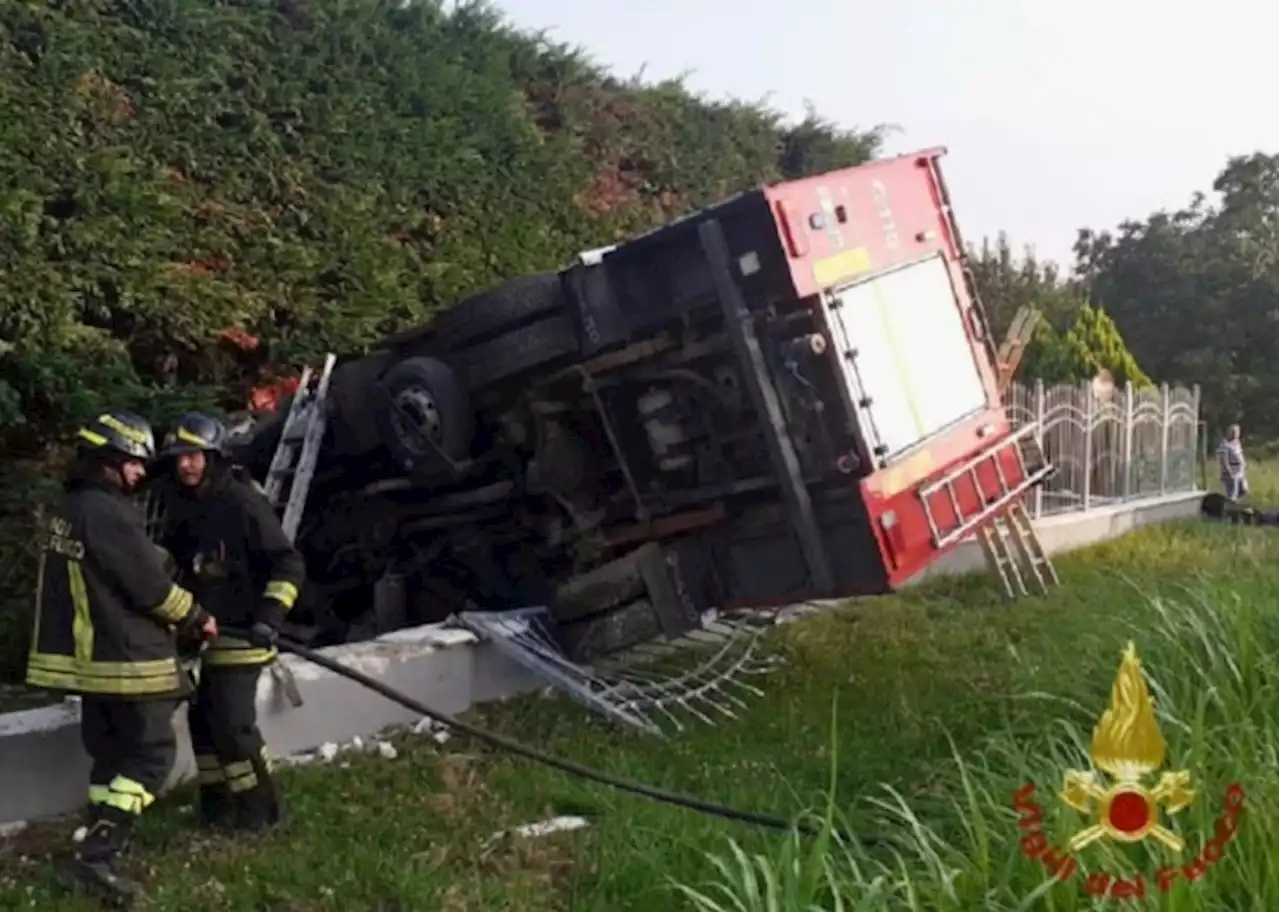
(195, 433)
(118, 435)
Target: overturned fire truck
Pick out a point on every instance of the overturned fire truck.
(786, 396)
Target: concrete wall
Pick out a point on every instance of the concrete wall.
(44, 769)
(1068, 531)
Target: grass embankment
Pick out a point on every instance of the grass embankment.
(918, 682)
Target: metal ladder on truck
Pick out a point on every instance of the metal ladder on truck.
(293, 465)
(1014, 346)
(1009, 541)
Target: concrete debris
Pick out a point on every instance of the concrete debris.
(427, 726)
(562, 824)
(329, 751)
(12, 829)
(799, 612)
(787, 615)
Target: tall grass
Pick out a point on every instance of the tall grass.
(1211, 659)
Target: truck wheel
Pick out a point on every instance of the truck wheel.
(423, 397)
(499, 310)
(547, 343)
(355, 398)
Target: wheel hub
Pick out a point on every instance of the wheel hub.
(416, 415)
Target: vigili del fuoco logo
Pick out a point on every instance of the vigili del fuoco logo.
(1118, 804)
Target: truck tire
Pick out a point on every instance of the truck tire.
(547, 343)
(499, 310)
(428, 392)
(356, 401)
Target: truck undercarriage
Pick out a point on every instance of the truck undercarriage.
(788, 395)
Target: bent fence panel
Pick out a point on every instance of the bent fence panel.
(1131, 443)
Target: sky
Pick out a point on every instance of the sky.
(1056, 115)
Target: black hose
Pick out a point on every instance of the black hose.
(568, 766)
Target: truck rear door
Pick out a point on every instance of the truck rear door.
(909, 359)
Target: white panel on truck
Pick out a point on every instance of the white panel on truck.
(913, 358)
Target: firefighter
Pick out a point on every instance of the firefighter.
(107, 622)
(244, 570)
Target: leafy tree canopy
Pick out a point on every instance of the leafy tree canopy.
(1194, 292)
(1073, 340)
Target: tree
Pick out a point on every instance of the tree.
(1007, 283)
(1090, 345)
(1072, 340)
(1195, 292)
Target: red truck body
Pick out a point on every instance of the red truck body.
(841, 227)
(788, 395)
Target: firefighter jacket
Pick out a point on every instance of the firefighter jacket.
(106, 610)
(236, 558)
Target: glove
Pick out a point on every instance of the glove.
(196, 627)
(264, 635)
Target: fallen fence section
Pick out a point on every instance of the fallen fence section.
(45, 770)
(662, 687)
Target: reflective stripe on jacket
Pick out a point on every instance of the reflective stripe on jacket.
(105, 607)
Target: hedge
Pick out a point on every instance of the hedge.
(175, 174)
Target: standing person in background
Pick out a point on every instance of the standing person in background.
(1231, 465)
(229, 544)
(106, 628)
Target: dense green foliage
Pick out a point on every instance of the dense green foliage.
(1194, 292)
(1090, 345)
(1073, 339)
(313, 173)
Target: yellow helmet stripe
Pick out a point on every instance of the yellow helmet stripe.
(123, 429)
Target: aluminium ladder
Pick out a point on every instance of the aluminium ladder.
(1015, 345)
(294, 463)
(292, 467)
(1013, 550)
(1009, 541)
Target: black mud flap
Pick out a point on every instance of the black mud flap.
(668, 582)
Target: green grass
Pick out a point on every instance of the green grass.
(920, 714)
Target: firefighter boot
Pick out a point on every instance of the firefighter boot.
(215, 807)
(94, 865)
(258, 808)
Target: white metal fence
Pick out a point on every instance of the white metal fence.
(1129, 444)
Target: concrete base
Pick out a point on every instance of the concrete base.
(1068, 531)
(45, 770)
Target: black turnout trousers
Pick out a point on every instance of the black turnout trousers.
(223, 722)
(132, 746)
